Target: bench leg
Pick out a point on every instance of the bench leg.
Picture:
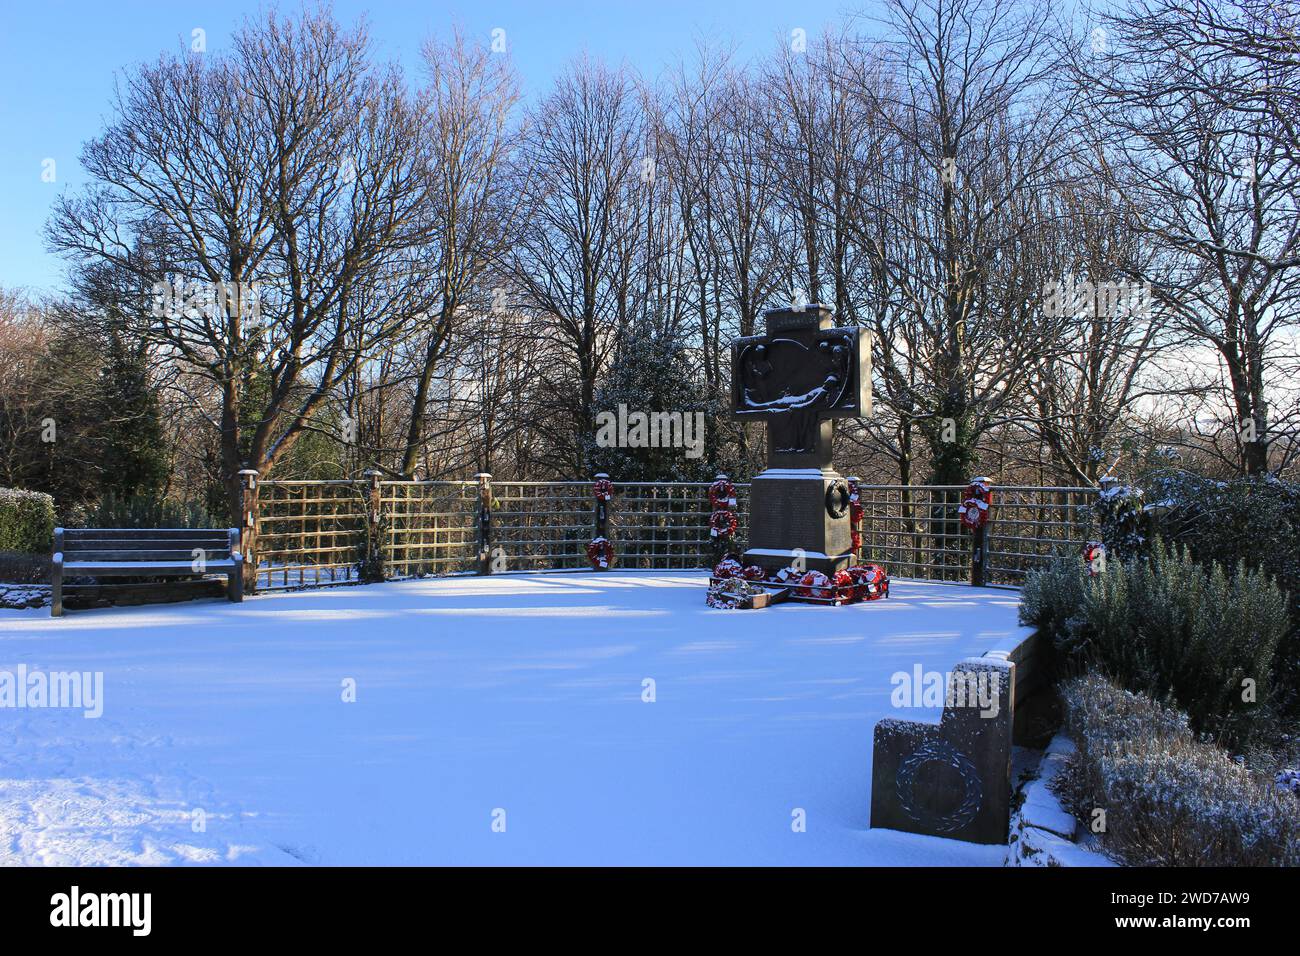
(235, 583)
(56, 590)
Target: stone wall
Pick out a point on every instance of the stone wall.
(1043, 833)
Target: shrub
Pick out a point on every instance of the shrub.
(1124, 521)
(26, 521)
(1171, 800)
(1169, 627)
(1052, 595)
(1255, 520)
(143, 511)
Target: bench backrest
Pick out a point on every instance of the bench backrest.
(145, 544)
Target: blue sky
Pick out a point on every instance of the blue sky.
(58, 60)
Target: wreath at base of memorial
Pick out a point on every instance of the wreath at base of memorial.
(871, 580)
(730, 593)
(600, 553)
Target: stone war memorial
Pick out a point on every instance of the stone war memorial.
(798, 377)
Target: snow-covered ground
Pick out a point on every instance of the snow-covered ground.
(515, 699)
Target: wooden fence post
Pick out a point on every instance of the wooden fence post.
(248, 527)
(978, 556)
(484, 522)
(979, 535)
(373, 565)
(602, 516)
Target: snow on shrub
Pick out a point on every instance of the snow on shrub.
(26, 521)
(1170, 799)
(1124, 520)
(1288, 781)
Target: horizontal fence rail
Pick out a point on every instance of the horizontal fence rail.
(313, 533)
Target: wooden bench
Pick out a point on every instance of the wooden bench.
(145, 552)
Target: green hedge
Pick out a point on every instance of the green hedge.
(26, 521)
(1167, 626)
(1255, 520)
(142, 511)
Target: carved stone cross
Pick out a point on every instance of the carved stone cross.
(799, 377)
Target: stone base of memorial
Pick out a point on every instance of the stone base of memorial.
(800, 504)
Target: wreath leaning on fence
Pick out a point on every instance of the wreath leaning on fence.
(975, 504)
(855, 514)
(1094, 557)
(722, 494)
(722, 524)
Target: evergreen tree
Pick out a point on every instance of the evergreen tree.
(133, 447)
(653, 372)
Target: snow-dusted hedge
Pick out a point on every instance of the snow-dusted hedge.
(1123, 518)
(26, 520)
(1170, 799)
(1171, 626)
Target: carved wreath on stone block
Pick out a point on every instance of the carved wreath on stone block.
(931, 768)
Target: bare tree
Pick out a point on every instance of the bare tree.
(1098, 348)
(292, 166)
(573, 263)
(1199, 147)
(977, 129)
(469, 101)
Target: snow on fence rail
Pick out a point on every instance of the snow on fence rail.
(315, 532)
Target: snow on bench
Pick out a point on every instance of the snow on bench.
(146, 552)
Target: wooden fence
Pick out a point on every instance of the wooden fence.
(317, 532)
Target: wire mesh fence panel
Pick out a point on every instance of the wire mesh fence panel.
(1030, 526)
(914, 531)
(309, 532)
(666, 525)
(541, 525)
(429, 527)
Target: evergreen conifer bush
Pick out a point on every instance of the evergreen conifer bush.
(26, 521)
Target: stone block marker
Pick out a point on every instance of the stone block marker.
(951, 779)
